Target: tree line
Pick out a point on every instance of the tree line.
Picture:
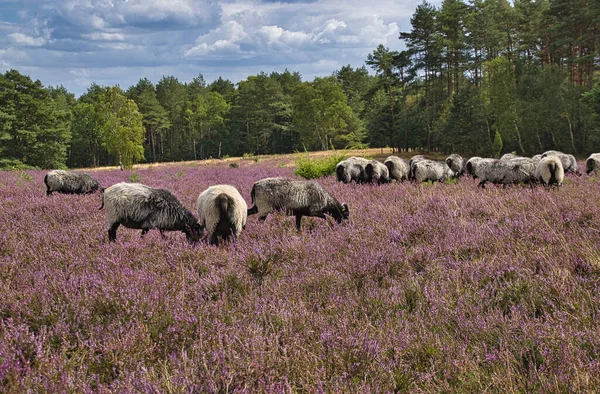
(477, 78)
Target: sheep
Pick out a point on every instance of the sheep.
(568, 161)
(430, 170)
(137, 206)
(411, 163)
(70, 182)
(592, 164)
(537, 157)
(298, 198)
(377, 172)
(456, 163)
(351, 169)
(500, 171)
(508, 156)
(550, 171)
(397, 167)
(222, 211)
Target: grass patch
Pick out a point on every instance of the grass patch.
(316, 167)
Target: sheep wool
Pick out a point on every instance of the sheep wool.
(351, 169)
(377, 172)
(568, 161)
(592, 164)
(397, 168)
(222, 211)
(298, 198)
(137, 206)
(431, 170)
(550, 171)
(68, 182)
(456, 163)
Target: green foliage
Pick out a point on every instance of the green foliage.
(134, 177)
(497, 145)
(234, 165)
(14, 165)
(315, 167)
(34, 122)
(121, 127)
(322, 115)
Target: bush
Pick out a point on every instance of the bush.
(15, 165)
(316, 167)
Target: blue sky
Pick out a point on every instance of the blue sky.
(116, 42)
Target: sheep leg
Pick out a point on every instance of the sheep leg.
(48, 192)
(144, 232)
(112, 232)
(162, 233)
(213, 239)
(262, 218)
(298, 221)
(252, 210)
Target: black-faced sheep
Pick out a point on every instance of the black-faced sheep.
(137, 206)
(376, 172)
(298, 198)
(222, 211)
(68, 182)
(351, 169)
(501, 171)
(550, 171)
(592, 164)
(456, 163)
(431, 170)
(397, 167)
(568, 161)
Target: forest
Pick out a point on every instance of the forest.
(480, 77)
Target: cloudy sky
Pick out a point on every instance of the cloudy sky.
(116, 42)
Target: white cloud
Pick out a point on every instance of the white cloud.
(101, 36)
(24, 39)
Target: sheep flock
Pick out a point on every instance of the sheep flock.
(223, 212)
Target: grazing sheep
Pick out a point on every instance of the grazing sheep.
(377, 172)
(351, 169)
(69, 182)
(222, 211)
(411, 165)
(456, 163)
(298, 198)
(527, 164)
(592, 163)
(430, 170)
(550, 171)
(568, 161)
(397, 167)
(137, 206)
(500, 171)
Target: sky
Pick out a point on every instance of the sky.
(116, 42)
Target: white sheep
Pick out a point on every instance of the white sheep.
(592, 164)
(222, 211)
(397, 167)
(550, 171)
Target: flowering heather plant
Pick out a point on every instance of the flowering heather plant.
(427, 288)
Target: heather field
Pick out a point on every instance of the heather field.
(428, 288)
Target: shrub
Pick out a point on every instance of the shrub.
(316, 167)
(14, 165)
